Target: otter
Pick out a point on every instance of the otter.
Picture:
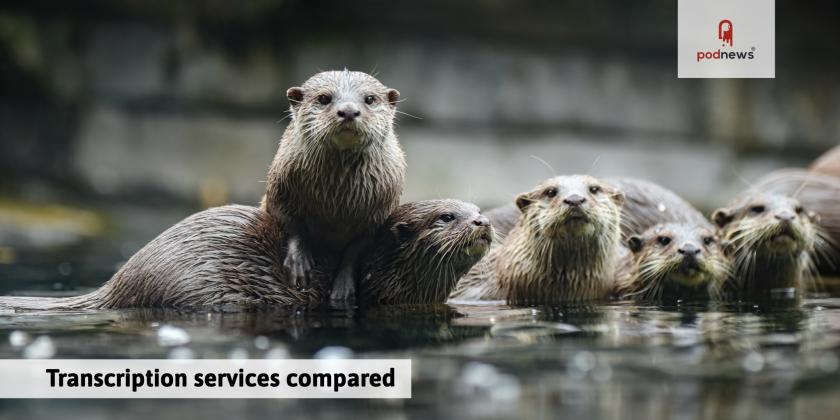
(338, 173)
(772, 240)
(672, 262)
(819, 194)
(646, 205)
(426, 247)
(233, 257)
(564, 247)
(828, 163)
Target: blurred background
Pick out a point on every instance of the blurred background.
(118, 118)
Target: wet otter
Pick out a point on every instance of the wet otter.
(426, 248)
(338, 173)
(564, 246)
(828, 163)
(772, 240)
(821, 195)
(233, 256)
(673, 261)
(646, 205)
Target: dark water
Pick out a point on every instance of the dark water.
(605, 361)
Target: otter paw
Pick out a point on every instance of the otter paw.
(299, 266)
(343, 291)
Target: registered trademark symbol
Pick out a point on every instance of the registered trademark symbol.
(753, 48)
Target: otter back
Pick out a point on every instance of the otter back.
(828, 163)
(223, 256)
(647, 204)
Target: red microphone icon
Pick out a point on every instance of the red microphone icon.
(725, 31)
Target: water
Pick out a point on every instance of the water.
(610, 360)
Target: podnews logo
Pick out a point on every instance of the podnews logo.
(726, 39)
(726, 34)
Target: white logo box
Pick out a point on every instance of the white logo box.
(705, 29)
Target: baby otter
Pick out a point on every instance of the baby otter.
(426, 248)
(828, 163)
(673, 261)
(564, 246)
(338, 173)
(233, 256)
(772, 241)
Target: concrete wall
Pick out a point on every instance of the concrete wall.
(189, 99)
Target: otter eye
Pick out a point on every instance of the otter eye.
(757, 209)
(370, 99)
(663, 240)
(595, 189)
(550, 192)
(799, 209)
(447, 217)
(708, 240)
(324, 99)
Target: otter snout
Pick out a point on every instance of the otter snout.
(348, 112)
(481, 236)
(689, 249)
(481, 220)
(785, 216)
(481, 225)
(574, 200)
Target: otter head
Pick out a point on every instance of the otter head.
(771, 238)
(423, 249)
(443, 230)
(571, 207)
(343, 109)
(678, 261)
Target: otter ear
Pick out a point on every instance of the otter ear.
(722, 217)
(402, 231)
(523, 200)
(393, 96)
(295, 96)
(635, 243)
(618, 197)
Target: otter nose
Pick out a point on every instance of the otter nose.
(689, 249)
(348, 112)
(574, 200)
(785, 215)
(481, 220)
